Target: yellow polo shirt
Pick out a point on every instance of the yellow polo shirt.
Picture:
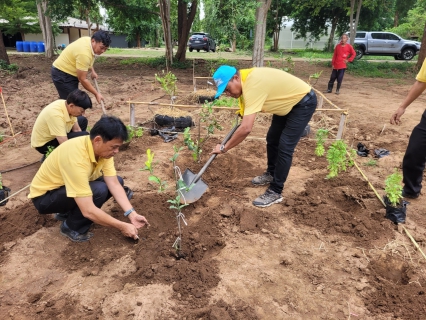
(270, 90)
(53, 121)
(72, 164)
(421, 76)
(78, 55)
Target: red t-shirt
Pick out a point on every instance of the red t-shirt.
(341, 53)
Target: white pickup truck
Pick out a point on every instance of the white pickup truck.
(379, 43)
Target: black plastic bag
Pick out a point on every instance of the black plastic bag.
(396, 214)
(380, 153)
(4, 193)
(362, 150)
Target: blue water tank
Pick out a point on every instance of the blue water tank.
(19, 46)
(33, 46)
(26, 46)
(40, 47)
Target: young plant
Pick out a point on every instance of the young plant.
(1, 183)
(339, 158)
(133, 132)
(393, 188)
(314, 76)
(321, 135)
(49, 150)
(1, 136)
(192, 145)
(162, 185)
(168, 83)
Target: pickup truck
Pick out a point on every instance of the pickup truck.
(379, 43)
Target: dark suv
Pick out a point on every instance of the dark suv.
(201, 40)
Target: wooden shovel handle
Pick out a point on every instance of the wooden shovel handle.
(102, 102)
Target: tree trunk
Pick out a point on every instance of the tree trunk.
(22, 36)
(260, 32)
(185, 20)
(89, 24)
(330, 44)
(46, 27)
(3, 52)
(422, 53)
(396, 19)
(165, 20)
(233, 42)
(354, 25)
(138, 39)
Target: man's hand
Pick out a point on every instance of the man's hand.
(137, 220)
(216, 149)
(396, 117)
(129, 230)
(93, 74)
(99, 97)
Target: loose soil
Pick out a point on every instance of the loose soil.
(325, 252)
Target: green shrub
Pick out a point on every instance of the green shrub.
(393, 188)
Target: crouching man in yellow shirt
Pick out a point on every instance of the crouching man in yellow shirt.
(61, 120)
(79, 177)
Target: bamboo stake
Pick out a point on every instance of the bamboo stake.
(7, 115)
(15, 193)
(102, 102)
(324, 97)
(414, 241)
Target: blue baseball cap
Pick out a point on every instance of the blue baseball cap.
(221, 77)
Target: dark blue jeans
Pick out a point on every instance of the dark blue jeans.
(337, 74)
(282, 138)
(56, 201)
(414, 160)
(82, 122)
(64, 82)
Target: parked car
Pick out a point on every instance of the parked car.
(201, 41)
(378, 43)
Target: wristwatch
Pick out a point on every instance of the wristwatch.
(222, 148)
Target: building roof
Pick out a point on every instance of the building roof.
(81, 24)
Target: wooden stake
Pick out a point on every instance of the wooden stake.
(7, 116)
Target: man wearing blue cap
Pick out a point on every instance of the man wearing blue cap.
(292, 103)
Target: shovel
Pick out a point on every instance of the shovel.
(195, 187)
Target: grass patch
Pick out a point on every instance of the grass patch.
(10, 68)
(387, 70)
(157, 62)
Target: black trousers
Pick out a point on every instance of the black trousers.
(56, 201)
(337, 74)
(82, 122)
(283, 136)
(64, 82)
(414, 160)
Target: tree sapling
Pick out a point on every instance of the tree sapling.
(162, 185)
(339, 158)
(320, 135)
(393, 188)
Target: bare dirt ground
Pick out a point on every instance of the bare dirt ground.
(326, 252)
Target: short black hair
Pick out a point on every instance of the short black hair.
(102, 36)
(80, 99)
(109, 128)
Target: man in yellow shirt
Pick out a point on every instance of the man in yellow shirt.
(73, 64)
(61, 120)
(79, 177)
(292, 103)
(414, 160)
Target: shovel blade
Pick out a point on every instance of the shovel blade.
(196, 191)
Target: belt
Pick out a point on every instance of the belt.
(309, 95)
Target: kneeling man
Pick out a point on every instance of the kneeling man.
(61, 120)
(79, 177)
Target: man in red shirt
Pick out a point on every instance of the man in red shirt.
(343, 53)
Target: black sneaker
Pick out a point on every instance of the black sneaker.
(268, 198)
(61, 216)
(265, 178)
(410, 195)
(74, 235)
